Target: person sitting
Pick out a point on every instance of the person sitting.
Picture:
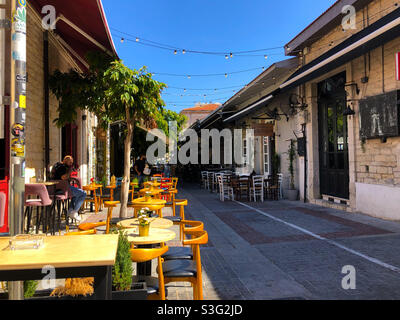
(62, 171)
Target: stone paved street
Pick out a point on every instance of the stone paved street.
(295, 251)
(287, 250)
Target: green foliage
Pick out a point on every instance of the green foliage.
(276, 164)
(292, 158)
(30, 287)
(122, 270)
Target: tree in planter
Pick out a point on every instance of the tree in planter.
(122, 270)
(292, 158)
(114, 93)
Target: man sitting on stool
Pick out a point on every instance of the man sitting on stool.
(62, 171)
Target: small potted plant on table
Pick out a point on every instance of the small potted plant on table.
(144, 222)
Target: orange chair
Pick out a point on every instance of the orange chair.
(144, 255)
(108, 197)
(110, 205)
(184, 253)
(177, 220)
(188, 270)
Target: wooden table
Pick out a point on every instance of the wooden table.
(72, 257)
(153, 192)
(156, 223)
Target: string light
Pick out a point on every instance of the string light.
(122, 40)
(137, 39)
(175, 52)
(231, 55)
(265, 57)
(183, 51)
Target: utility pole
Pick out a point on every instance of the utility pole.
(17, 128)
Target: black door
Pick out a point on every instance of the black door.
(333, 146)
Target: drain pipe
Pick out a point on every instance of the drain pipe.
(305, 161)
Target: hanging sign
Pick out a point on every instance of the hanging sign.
(398, 66)
(263, 129)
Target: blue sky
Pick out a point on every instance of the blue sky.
(207, 25)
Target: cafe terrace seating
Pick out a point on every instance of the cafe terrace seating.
(188, 270)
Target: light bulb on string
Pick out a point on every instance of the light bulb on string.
(189, 77)
(183, 51)
(137, 39)
(226, 57)
(226, 75)
(231, 55)
(175, 52)
(122, 40)
(265, 57)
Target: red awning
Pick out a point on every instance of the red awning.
(81, 17)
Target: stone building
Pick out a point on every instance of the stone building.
(76, 33)
(341, 104)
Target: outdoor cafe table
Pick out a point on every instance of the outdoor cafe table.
(156, 236)
(72, 257)
(141, 203)
(154, 192)
(159, 223)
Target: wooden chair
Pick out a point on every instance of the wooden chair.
(177, 220)
(184, 253)
(137, 207)
(273, 188)
(257, 188)
(108, 197)
(244, 188)
(144, 255)
(110, 205)
(188, 270)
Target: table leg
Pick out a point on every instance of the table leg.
(144, 269)
(103, 284)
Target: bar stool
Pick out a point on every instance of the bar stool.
(91, 198)
(61, 198)
(41, 201)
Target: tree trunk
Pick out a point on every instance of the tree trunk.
(127, 169)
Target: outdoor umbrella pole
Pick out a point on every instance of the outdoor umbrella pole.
(17, 121)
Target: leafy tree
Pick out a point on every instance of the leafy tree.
(114, 93)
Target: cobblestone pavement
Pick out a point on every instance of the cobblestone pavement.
(289, 250)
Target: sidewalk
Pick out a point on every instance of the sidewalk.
(289, 250)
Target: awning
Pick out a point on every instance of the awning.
(373, 36)
(253, 108)
(82, 27)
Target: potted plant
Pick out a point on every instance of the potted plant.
(123, 288)
(292, 192)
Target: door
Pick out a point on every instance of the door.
(266, 156)
(333, 144)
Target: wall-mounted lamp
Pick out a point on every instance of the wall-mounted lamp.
(349, 111)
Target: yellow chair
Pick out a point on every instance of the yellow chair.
(188, 270)
(171, 200)
(144, 255)
(184, 253)
(109, 197)
(137, 207)
(177, 220)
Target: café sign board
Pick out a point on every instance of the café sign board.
(263, 130)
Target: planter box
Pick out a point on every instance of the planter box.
(138, 292)
(293, 195)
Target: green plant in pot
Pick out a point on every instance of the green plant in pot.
(122, 270)
(292, 192)
(123, 288)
